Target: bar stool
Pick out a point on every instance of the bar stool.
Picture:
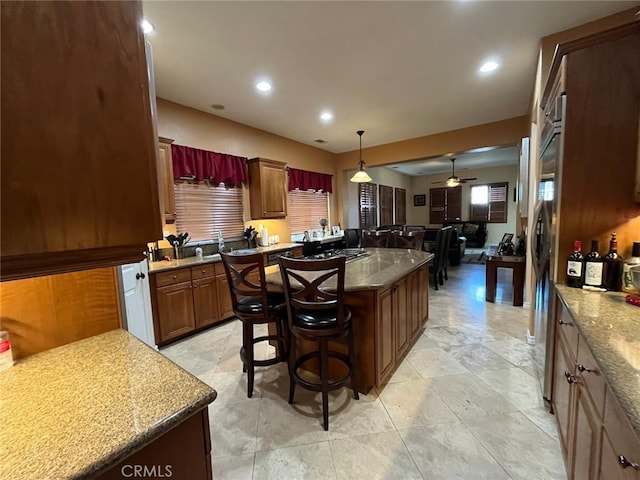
(314, 291)
(249, 296)
(413, 239)
(378, 238)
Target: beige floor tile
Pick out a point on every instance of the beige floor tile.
(308, 462)
(415, 403)
(514, 350)
(477, 358)
(233, 468)
(523, 450)
(543, 419)
(349, 417)
(470, 397)
(448, 451)
(424, 342)
(405, 373)
(376, 456)
(514, 384)
(434, 362)
(233, 428)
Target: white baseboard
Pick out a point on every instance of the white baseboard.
(526, 305)
(531, 339)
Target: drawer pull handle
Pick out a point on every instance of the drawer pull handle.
(582, 368)
(562, 322)
(139, 276)
(175, 276)
(624, 463)
(204, 271)
(570, 378)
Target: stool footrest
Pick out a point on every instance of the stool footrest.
(317, 386)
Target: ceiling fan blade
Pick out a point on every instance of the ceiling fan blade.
(468, 179)
(444, 181)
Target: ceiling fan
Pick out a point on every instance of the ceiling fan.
(454, 181)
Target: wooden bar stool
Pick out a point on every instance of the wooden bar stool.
(314, 291)
(253, 305)
(378, 238)
(413, 239)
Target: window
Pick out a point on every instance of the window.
(445, 204)
(489, 202)
(306, 208)
(545, 191)
(202, 210)
(385, 194)
(401, 206)
(368, 201)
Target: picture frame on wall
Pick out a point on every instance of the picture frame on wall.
(419, 200)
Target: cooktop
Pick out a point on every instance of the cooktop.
(350, 253)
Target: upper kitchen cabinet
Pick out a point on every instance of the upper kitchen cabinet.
(267, 188)
(165, 170)
(79, 177)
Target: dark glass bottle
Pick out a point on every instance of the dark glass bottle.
(593, 267)
(574, 266)
(612, 271)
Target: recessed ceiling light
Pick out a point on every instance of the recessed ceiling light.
(326, 116)
(489, 66)
(263, 86)
(147, 26)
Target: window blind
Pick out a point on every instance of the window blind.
(368, 201)
(306, 207)
(385, 194)
(202, 210)
(489, 202)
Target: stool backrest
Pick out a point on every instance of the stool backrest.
(245, 275)
(413, 239)
(378, 238)
(351, 237)
(313, 286)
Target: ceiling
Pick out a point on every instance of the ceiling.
(397, 70)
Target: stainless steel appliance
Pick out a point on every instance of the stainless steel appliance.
(544, 244)
(350, 253)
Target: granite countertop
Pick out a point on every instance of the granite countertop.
(77, 410)
(163, 266)
(380, 268)
(611, 328)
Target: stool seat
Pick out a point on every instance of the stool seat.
(253, 304)
(321, 319)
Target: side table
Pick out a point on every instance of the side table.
(517, 264)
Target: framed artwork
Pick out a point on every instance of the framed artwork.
(335, 230)
(419, 200)
(314, 234)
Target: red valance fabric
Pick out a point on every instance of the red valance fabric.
(200, 165)
(305, 180)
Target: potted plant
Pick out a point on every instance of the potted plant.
(323, 223)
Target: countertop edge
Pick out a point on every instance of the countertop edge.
(621, 395)
(142, 440)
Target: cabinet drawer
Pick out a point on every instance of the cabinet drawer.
(622, 439)
(202, 271)
(219, 268)
(591, 376)
(173, 276)
(568, 330)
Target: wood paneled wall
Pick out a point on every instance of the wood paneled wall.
(46, 312)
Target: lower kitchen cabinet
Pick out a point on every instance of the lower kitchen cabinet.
(187, 299)
(594, 432)
(385, 333)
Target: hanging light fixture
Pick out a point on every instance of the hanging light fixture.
(361, 176)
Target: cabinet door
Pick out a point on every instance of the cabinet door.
(165, 167)
(414, 296)
(562, 393)
(618, 439)
(225, 308)
(78, 178)
(385, 341)
(175, 310)
(586, 437)
(205, 302)
(423, 294)
(267, 188)
(403, 318)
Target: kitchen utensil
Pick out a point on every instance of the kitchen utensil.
(171, 239)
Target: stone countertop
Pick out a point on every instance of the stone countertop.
(163, 266)
(77, 410)
(611, 328)
(380, 268)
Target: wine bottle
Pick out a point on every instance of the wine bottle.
(593, 267)
(612, 267)
(574, 266)
(627, 283)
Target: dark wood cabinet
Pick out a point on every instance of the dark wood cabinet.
(267, 188)
(225, 307)
(165, 173)
(78, 175)
(385, 334)
(205, 301)
(404, 314)
(174, 317)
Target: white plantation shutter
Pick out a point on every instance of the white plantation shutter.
(202, 210)
(306, 208)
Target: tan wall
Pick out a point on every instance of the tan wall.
(422, 184)
(187, 126)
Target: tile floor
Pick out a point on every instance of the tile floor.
(464, 404)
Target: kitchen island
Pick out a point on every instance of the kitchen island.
(387, 292)
(98, 407)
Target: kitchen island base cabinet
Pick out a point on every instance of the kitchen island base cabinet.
(183, 452)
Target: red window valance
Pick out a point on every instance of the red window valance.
(202, 165)
(305, 180)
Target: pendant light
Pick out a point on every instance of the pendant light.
(361, 176)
